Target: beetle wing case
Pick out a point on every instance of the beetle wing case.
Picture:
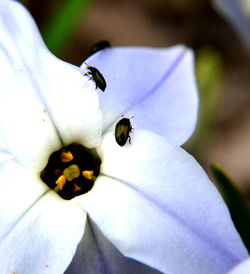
(122, 130)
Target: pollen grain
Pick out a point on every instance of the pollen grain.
(88, 174)
(66, 156)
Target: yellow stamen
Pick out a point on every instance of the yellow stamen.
(61, 181)
(66, 156)
(71, 172)
(88, 174)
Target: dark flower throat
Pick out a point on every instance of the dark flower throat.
(71, 171)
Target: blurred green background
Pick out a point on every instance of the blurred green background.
(71, 27)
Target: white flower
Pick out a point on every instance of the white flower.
(151, 199)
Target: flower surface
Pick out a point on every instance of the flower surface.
(237, 12)
(242, 268)
(152, 200)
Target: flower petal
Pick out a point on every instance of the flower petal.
(235, 13)
(72, 103)
(19, 190)
(242, 268)
(158, 206)
(156, 86)
(4, 155)
(95, 254)
(45, 239)
(44, 101)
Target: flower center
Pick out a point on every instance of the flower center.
(71, 171)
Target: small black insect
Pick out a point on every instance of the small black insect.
(122, 130)
(96, 75)
(99, 46)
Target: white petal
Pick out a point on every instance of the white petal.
(23, 130)
(156, 205)
(19, 190)
(156, 86)
(4, 155)
(43, 101)
(45, 239)
(72, 102)
(241, 268)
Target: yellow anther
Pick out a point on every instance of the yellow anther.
(61, 181)
(88, 174)
(66, 156)
(71, 172)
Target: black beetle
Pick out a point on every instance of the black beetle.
(122, 130)
(96, 75)
(99, 46)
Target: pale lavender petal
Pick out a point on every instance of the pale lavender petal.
(44, 102)
(233, 11)
(241, 268)
(156, 86)
(45, 238)
(156, 205)
(95, 254)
